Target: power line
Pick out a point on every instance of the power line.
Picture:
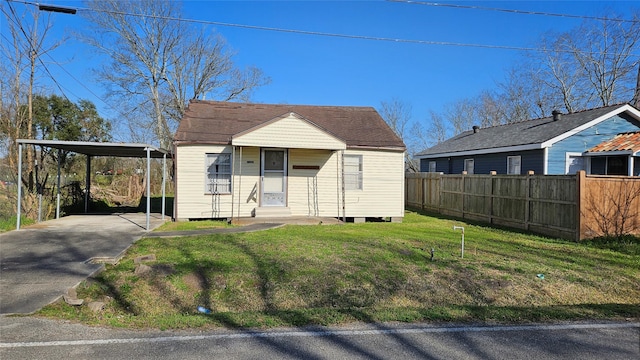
(328, 34)
(514, 11)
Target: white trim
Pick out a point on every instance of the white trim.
(635, 113)
(568, 155)
(519, 164)
(545, 161)
(435, 166)
(473, 165)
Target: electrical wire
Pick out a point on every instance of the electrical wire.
(514, 11)
(346, 36)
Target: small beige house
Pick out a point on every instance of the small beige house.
(237, 160)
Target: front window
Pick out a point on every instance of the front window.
(468, 166)
(218, 174)
(513, 165)
(353, 172)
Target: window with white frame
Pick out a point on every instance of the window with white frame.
(468, 166)
(217, 174)
(432, 166)
(574, 162)
(513, 165)
(353, 172)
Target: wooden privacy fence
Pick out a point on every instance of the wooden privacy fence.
(567, 206)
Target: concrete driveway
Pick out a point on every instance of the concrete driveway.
(40, 262)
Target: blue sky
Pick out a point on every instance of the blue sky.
(323, 70)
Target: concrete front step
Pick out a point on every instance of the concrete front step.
(272, 211)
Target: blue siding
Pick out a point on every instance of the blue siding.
(587, 139)
(485, 163)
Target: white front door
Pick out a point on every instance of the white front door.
(274, 177)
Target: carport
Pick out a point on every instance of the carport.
(93, 149)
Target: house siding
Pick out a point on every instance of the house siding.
(485, 163)
(313, 192)
(192, 202)
(314, 185)
(278, 135)
(587, 139)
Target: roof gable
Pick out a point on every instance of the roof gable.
(525, 135)
(213, 122)
(289, 131)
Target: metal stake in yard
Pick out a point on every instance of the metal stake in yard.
(461, 228)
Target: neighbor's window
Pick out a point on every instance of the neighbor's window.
(218, 174)
(432, 166)
(513, 165)
(353, 172)
(468, 166)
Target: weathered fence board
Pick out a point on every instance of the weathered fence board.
(567, 206)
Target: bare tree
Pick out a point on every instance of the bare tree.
(158, 64)
(397, 114)
(604, 52)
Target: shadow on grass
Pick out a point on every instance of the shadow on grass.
(334, 305)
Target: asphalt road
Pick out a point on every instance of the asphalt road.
(33, 338)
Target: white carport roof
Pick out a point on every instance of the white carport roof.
(134, 150)
(101, 148)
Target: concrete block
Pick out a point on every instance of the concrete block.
(96, 306)
(142, 269)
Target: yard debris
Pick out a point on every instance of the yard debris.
(204, 310)
(142, 269)
(143, 258)
(96, 306)
(71, 297)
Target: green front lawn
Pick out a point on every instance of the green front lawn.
(371, 272)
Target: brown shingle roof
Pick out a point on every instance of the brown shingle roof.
(622, 142)
(214, 122)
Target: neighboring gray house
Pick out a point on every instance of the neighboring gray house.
(602, 141)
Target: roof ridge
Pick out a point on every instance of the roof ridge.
(282, 104)
(551, 117)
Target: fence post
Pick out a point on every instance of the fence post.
(527, 209)
(493, 173)
(581, 179)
